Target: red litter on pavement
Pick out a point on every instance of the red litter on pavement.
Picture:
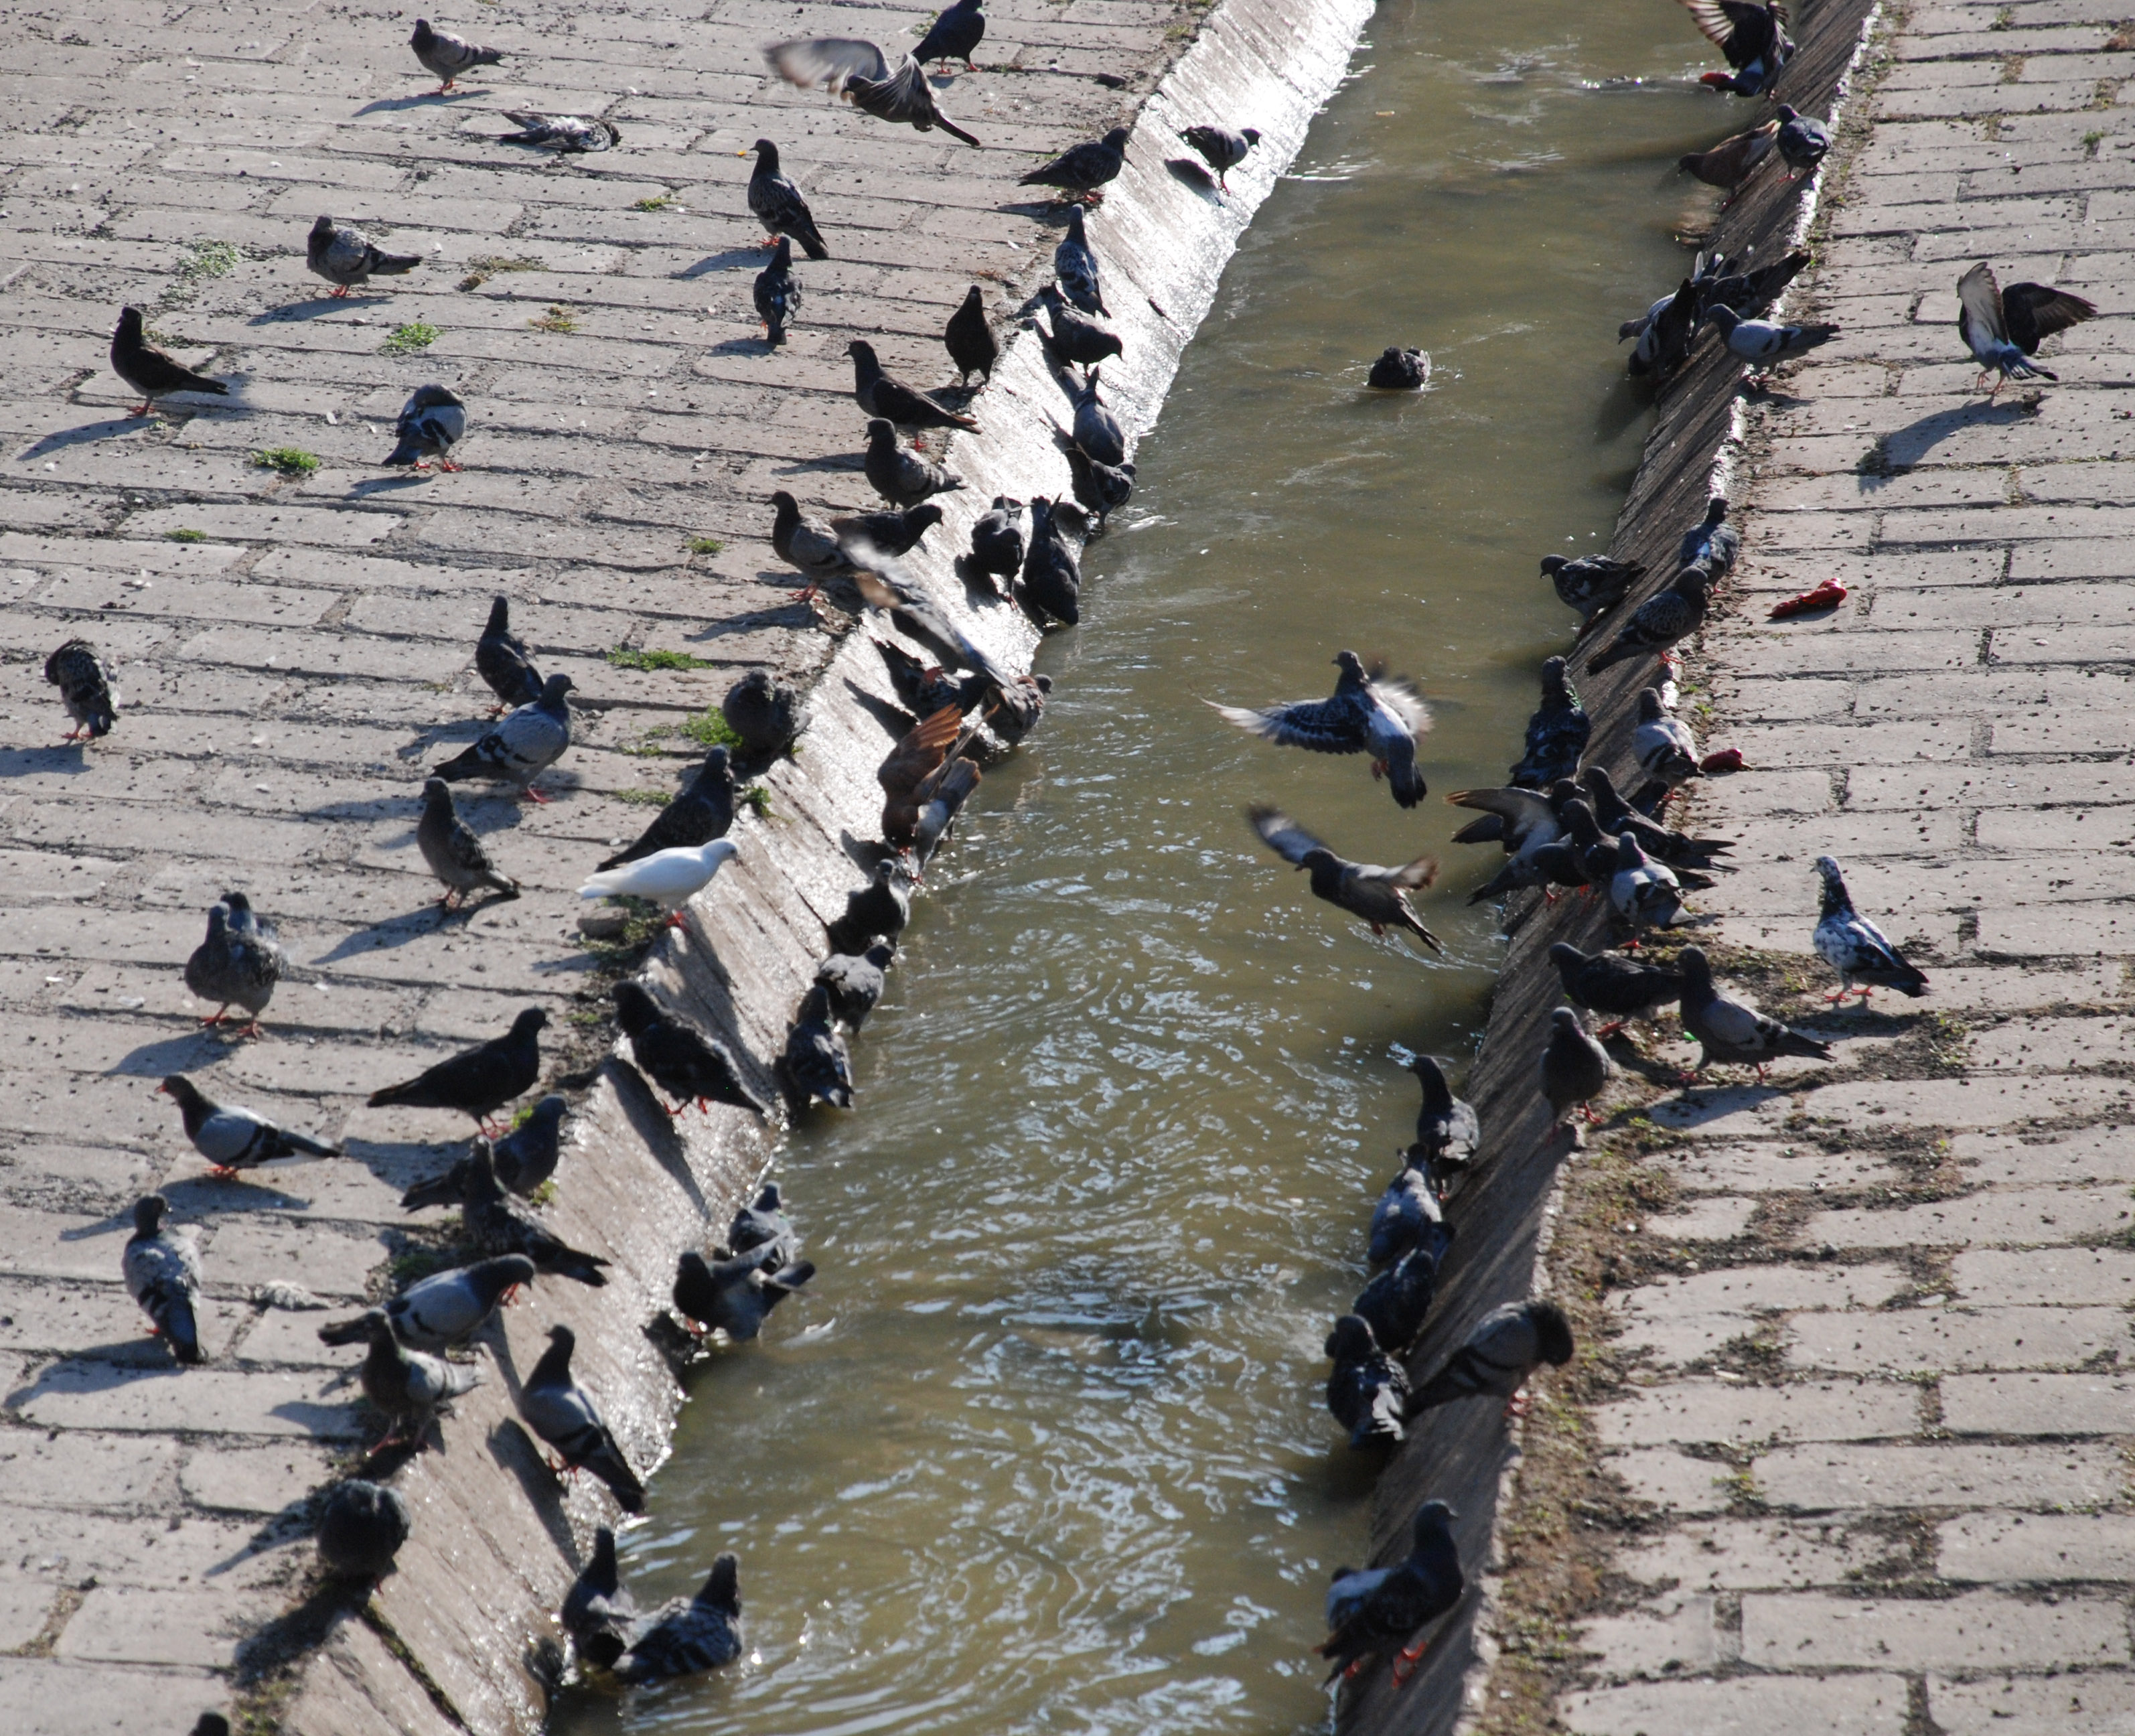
(1829, 595)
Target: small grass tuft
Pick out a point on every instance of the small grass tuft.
(410, 339)
(758, 797)
(184, 535)
(710, 730)
(544, 1194)
(623, 658)
(2091, 141)
(707, 546)
(556, 319)
(641, 798)
(289, 460)
(211, 259)
(658, 201)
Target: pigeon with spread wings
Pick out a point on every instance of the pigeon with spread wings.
(1752, 38)
(2003, 328)
(1368, 711)
(1375, 895)
(856, 70)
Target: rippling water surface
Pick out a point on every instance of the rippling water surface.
(1043, 1448)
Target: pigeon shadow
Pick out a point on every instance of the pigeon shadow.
(1690, 1111)
(395, 931)
(1189, 173)
(99, 1369)
(865, 854)
(1909, 445)
(196, 1196)
(266, 1651)
(71, 757)
(980, 586)
(402, 1163)
(745, 347)
(298, 1519)
(649, 1119)
(401, 104)
(387, 485)
(1622, 406)
(726, 260)
(60, 439)
(894, 718)
(198, 1049)
(514, 1450)
(317, 307)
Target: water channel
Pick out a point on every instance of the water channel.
(1044, 1449)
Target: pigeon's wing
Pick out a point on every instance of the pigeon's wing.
(1317, 726)
(2034, 313)
(1716, 19)
(1737, 1025)
(827, 61)
(1282, 834)
(1409, 877)
(1522, 810)
(1979, 308)
(1397, 694)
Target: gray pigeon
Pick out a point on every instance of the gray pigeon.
(361, 1527)
(408, 1387)
(78, 672)
(903, 478)
(807, 544)
(686, 1635)
(432, 422)
(1097, 430)
(701, 813)
(1662, 743)
(1407, 1215)
(1367, 1392)
(1369, 712)
(1051, 584)
(442, 1312)
(1557, 733)
(767, 716)
(564, 1415)
(448, 56)
(1592, 583)
(1001, 538)
(762, 1223)
(343, 255)
(1101, 489)
(880, 394)
(568, 133)
(2003, 328)
(1662, 621)
(1448, 1133)
(1523, 820)
(599, 1611)
(1712, 543)
(736, 1293)
(1645, 894)
(454, 853)
(1223, 149)
(1083, 170)
(778, 205)
(233, 1138)
(817, 1063)
(162, 1271)
(857, 69)
(877, 911)
(1574, 1069)
(777, 293)
(500, 660)
(527, 1156)
(1075, 337)
(522, 746)
(1727, 1030)
(1075, 264)
(1855, 947)
(1679, 850)
(1376, 896)
(1501, 1350)
(238, 964)
(1804, 142)
(1761, 344)
(1373, 1610)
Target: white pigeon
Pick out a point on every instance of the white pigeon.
(669, 878)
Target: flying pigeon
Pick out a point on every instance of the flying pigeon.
(432, 422)
(778, 205)
(1371, 1610)
(1501, 1351)
(969, 338)
(238, 964)
(1376, 896)
(1075, 337)
(569, 132)
(448, 56)
(1712, 543)
(680, 1060)
(777, 293)
(1523, 821)
(443, 1310)
(477, 1082)
(1097, 430)
(768, 715)
(232, 1139)
(1665, 619)
(955, 35)
(1557, 734)
(162, 1271)
(686, 1635)
(1082, 171)
(500, 660)
(703, 811)
(882, 395)
(1399, 370)
(1762, 344)
(1855, 947)
(1407, 1215)
(1001, 538)
(1804, 142)
(1727, 1030)
(1367, 1392)
(1369, 711)
(408, 1387)
(817, 1063)
(496, 1222)
(564, 1415)
(599, 1611)
(856, 70)
(2004, 328)
(456, 856)
(524, 743)
(361, 1527)
(1662, 743)
(1448, 1133)
(1645, 894)
(736, 1294)
(1223, 149)
(1620, 989)
(877, 911)
(854, 981)
(1730, 164)
(149, 370)
(1074, 265)
(1616, 816)
(1101, 489)
(1574, 1070)
(1752, 38)
(903, 478)
(1396, 1303)
(343, 255)
(1051, 584)
(669, 878)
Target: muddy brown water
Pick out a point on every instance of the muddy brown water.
(1044, 1448)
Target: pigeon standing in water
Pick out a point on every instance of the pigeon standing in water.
(84, 689)
(1369, 711)
(1376, 896)
(1373, 1609)
(149, 370)
(778, 205)
(1052, 579)
(736, 1295)
(955, 35)
(1855, 947)
(687, 1636)
(448, 56)
(232, 1139)
(2003, 328)
(598, 1613)
(1503, 1350)
(162, 1273)
(881, 394)
(903, 478)
(477, 1082)
(1075, 264)
(1448, 1133)
(702, 812)
(877, 911)
(969, 338)
(762, 1223)
(669, 878)
(680, 1060)
(1662, 621)
(573, 134)
(777, 293)
(854, 981)
(525, 744)
(1727, 1030)
(564, 1415)
(1223, 149)
(235, 967)
(361, 1527)
(500, 660)
(343, 255)
(768, 715)
(817, 1062)
(1097, 430)
(1575, 1069)
(456, 856)
(1083, 172)
(1367, 1392)
(1557, 734)
(858, 71)
(432, 422)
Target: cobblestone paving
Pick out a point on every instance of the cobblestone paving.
(1881, 1405)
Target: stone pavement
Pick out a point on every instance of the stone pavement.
(1879, 1398)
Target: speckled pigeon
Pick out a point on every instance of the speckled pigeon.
(162, 1268)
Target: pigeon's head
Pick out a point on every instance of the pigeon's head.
(1427, 1069)
(1075, 226)
(1786, 114)
(1350, 664)
(1562, 791)
(1316, 858)
(1552, 564)
(715, 763)
(148, 1213)
(1565, 1019)
(878, 955)
(880, 432)
(1552, 674)
(555, 687)
(371, 1325)
(1432, 1519)
(240, 905)
(815, 1005)
(437, 793)
(1650, 705)
(1251, 135)
(717, 854)
(921, 518)
(129, 323)
(323, 227)
(500, 614)
(506, 1271)
(614, 132)
(211, 1723)
(1350, 1341)
(1628, 853)
(1566, 957)
(722, 1587)
(787, 508)
(1716, 510)
(1596, 778)
(1553, 1332)
(862, 352)
(886, 870)
(634, 1008)
(547, 1112)
(181, 1087)
(1696, 973)
(1834, 883)
(529, 1022)
(431, 397)
(767, 153)
(1578, 818)
(1116, 139)
(423, 32)
(218, 921)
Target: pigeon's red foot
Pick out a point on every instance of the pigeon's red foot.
(249, 1028)
(143, 409)
(1356, 1669)
(534, 795)
(446, 464)
(510, 1295)
(1609, 1030)
(1836, 995)
(1519, 1405)
(675, 1111)
(1406, 1661)
(1378, 769)
(1763, 1073)
(1589, 1115)
(222, 1172)
(341, 293)
(213, 1018)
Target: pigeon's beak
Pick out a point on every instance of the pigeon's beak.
(164, 1089)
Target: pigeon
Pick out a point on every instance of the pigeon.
(1523, 821)
(1001, 538)
(1658, 624)
(669, 878)
(923, 688)
(1752, 38)
(778, 205)
(1377, 896)
(1407, 1215)
(1749, 292)
(443, 1310)
(211, 1723)
(767, 716)
(1082, 171)
(407, 1387)
(1369, 711)
(1618, 988)
(149, 370)
(884, 396)
(2002, 328)
(1557, 734)
(1592, 583)
(1396, 1303)
(1370, 1610)
(1399, 370)
(1101, 489)
(1223, 149)
(454, 853)
(343, 255)
(235, 967)
(854, 981)
(1075, 337)
(1052, 581)
(1804, 142)
(1712, 543)
(1727, 1030)
(1574, 1070)
(735, 1295)
(1074, 265)
(562, 1414)
(777, 293)
(808, 545)
(1855, 947)
(448, 56)
(527, 1156)
(232, 1139)
(431, 422)
(85, 690)
(1645, 894)
(1097, 430)
(500, 660)
(877, 911)
(856, 70)
(703, 811)
(477, 1082)
(686, 1635)
(162, 1271)
(968, 338)
(817, 1064)
(901, 478)
(1449, 1133)
(887, 533)
(762, 1223)
(955, 35)
(1762, 344)
(683, 1061)
(1664, 333)
(1677, 849)
(598, 1613)
(498, 1224)
(571, 133)
(924, 780)
(1367, 1392)
(1662, 743)
(1501, 1351)
(525, 744)
(915, 617)
(361, 1527)
(1730, 164)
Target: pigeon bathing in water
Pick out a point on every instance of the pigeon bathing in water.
(777, 293)
(968, 338)
(361, 1527)
(1377, 896)
(1398, 370)
(879, 393)
(343, 255)
(599, 1611)
(162, 1271)
(525, 744)
(1804, 142)
(1762, 344)
(1372, 1610)
(688, 1636)
(477, 1082)
(456, 856)
(1557, 734)
(1101, 489)
(1575, 1069)
(778, 205)
(1730, 164)
(762, 1223)
(2003, 328)
(149, 370)
(856, 70)
(955, 35)
(683, 1061)
(1662, 621)
(1084, 171)
(736, 1295)
(1097, 430)
(1407, 1215)
(1752, 38)
(232, 1139)
(238, 964)
(1074, 265)
(1001, 538)
(854, 983)
(1727, 1030)
(903, 478)
(1052, 579)
(500, 660)
(1662, 743)
(669, 878)
(817, 1064)
(432, 422)
(1369, 711)
(878, 910)
(1223, 149)
(448, 56)
(1619, 989)
(84, 689)
(1855, 947)
(1499, 1355)
(926, 779)
(767, 716)
(701, 813)
(1448, 1132)
(571, 132)
(407, 1387)
(1367, 1392)
(1075, 337)
(564, 1415)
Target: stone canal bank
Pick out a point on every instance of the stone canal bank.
(293, 646)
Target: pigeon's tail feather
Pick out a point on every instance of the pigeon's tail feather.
(1450, 1384)
(790, 1278)
(406, 453)
(172, 1311)
(954, 131)
(396, 264)
(310, 1147)
(609, 1466)
(1405, 782)
(1809, 1048)
(445, 1190)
